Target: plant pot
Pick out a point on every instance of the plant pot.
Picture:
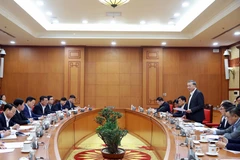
(108, 155)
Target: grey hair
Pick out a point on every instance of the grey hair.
(193, 82)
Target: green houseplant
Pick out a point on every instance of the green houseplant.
(110, 132)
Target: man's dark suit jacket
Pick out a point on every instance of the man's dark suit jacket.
(197, 107)
(222, 123)
(179, 113)
(68, 106)
(38, 110)
(233, 144)
(27, 115)
(20, 118)
(57, 107)
(51, 109)
(164, 107)
(3, 125)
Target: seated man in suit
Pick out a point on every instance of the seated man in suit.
(229, 144)
(41, 108)
(181, 104)
(70, 103)
(195, 107)
(225, 105)
(232, 132)
(50, 103)
(59, 106)
(163, 106)
(28, 106)
(5, 117)
(19, 117)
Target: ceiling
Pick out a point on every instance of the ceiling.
(200, 24)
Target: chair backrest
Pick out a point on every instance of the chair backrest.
(171, 107)
(210, 108)
(207, 114)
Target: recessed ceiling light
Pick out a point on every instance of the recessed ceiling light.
(237, 33)
(215, 44)
(171, 23)
(40, 3)
(113, 22)
(48, 13)
(113, 43)
(164, 43)
(63, 42)
(176, 15)
(55, 21)
(185, 4)
(142, 22)
(84, 21)
(12, 42)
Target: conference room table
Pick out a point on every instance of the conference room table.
(61, 139)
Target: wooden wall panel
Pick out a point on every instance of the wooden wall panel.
(152, 75)
(116, 76)
(102, 76)
(74, 73)
(33, 71)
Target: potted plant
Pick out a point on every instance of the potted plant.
(110, 133)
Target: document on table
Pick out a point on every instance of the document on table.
(25, 127)
(6, 150)
(180, 109)
(12, 136)
(13, 145)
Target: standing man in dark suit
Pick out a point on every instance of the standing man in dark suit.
(19, 117)
(70, 103)
(41, 108)
(181, 104)
(5, 117)
(195, 107)
(59, 106)
(163, 106)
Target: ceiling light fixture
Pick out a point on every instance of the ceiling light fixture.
(84, 21)
(185, 4)
(237, 33)
(215, 43)
(114, 3)
(63, 42)
(164, 43)
(12, 42)
(113, 43)
(142, 22)
(176, 15)
(48, 13)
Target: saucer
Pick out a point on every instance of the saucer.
(199, 154)
(203, 141)
(211, 154)
(196, 142)
(25, 151)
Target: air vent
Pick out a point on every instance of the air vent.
(113, 14)
(7, 33)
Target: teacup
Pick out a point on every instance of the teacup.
(203, 137)
(213, 149)
(27, 146)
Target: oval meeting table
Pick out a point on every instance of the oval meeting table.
(62, 138)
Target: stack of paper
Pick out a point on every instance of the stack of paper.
(13, 145)
(12, 136)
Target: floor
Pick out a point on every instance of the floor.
(90, 149)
